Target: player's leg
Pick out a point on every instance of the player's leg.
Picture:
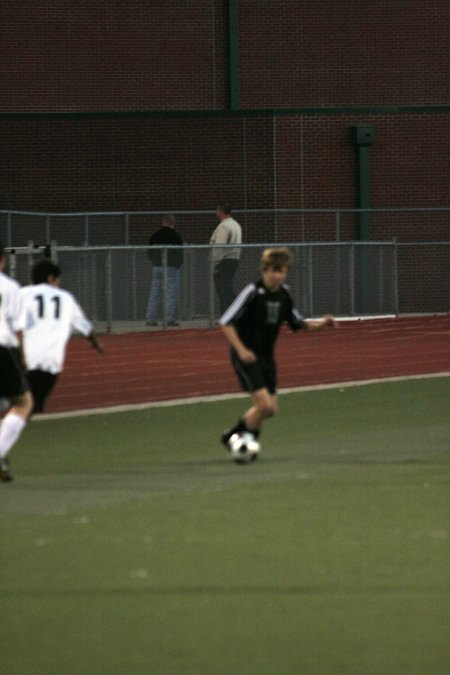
(265, 405)
(265, 402)
(248, 422)
(260, 380)
(11, 427)
(14, 387)
(41, 384)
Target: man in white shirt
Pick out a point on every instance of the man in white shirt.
(225, 259)
(52, 314)
(13, 384)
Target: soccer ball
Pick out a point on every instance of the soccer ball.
(244, 447)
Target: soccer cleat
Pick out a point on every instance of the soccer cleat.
(5, 474)
(225, 437)
(237, 429)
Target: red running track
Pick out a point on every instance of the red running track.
(162, 365)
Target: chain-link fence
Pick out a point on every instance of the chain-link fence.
(347, 279)
(424, 277)
(113, 283)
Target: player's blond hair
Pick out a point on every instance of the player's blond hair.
(276, 258)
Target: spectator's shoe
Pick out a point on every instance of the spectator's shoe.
(173, 323)
(151, 323)
(5, 474)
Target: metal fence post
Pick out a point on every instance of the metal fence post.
(54, 251)
(338, 225)
(338, 262)
(310, 281)
(30, 249)
(109, 291)
(189, 283)
(12, 263)
(396, 297)
(9, 229)
(338, 279)
(127, 229)
(298, 276)
(86, 230)
(211, 288)
(352, 278)
(164, 294)
(134, 285)
(381, 280)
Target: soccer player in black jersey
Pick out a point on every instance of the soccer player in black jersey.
(251, 324)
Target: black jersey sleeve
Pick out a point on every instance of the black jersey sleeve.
(294, 319)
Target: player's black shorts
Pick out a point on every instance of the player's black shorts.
(262, 374)
(12, 381)
(41, 384)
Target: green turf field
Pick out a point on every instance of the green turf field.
(130, 544)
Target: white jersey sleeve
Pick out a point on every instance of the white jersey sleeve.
(238, 304)
(80, 322)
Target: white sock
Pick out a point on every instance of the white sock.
(10, 430)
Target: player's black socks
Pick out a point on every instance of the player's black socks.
(240, 426)
(252, 430)
(255, 432)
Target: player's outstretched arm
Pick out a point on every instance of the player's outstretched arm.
(326, 321)
(92, 338)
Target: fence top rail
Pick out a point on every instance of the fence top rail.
(336, 209)
(404, 244)
(141, 247)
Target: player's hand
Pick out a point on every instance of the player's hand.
(329, 321)
(95, 343)
(99, 347)
(326, 321)
(247, 356)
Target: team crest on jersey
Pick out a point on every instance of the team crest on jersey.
(272, 312)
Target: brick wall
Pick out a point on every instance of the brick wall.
(344, 53)
(112, 55)
(172, 54)
(169, 55)
(255, 162)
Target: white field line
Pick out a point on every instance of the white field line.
(225, 397)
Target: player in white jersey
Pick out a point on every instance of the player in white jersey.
(13, 384)
(52, 315)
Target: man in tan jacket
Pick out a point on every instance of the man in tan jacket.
(225, 259)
